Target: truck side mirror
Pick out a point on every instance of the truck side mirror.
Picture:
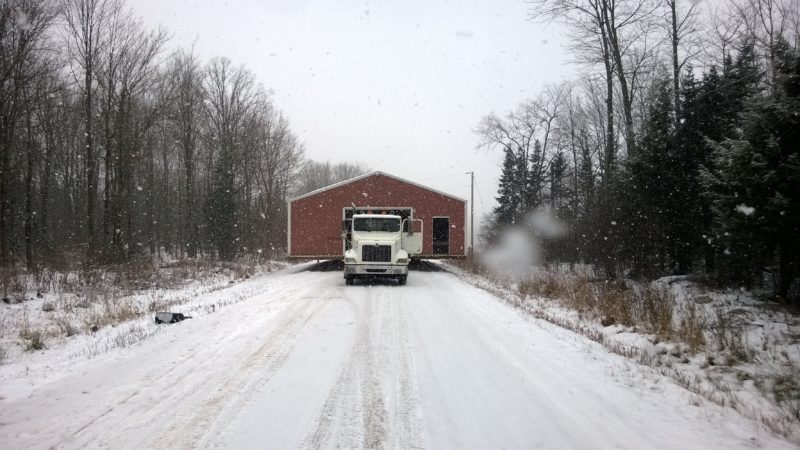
(346, 224)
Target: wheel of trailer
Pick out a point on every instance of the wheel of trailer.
(348, 281)
(401, 280)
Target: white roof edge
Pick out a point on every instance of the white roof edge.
(378, 215)
(367, 175)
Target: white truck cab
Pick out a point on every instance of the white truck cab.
(378, 247)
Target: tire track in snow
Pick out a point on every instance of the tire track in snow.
(372, 392)
(374, 401)
(190, 429)
(161, 382)
(406, 429)
(353, 412)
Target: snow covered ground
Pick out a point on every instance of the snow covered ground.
(725, 345)
(297, 359)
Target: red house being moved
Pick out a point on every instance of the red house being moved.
(315, 218)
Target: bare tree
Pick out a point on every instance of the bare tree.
(611, 28)
(23, 24)
(51, 114)
(767, 21)
(722, 31)
(96, 115)
(681, 26)
(591, 46)
(85, 25)
(230, 96)
(185, 112)
(315, 175)
(127, 72)
(280, 158)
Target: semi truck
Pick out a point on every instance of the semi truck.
(379, 246)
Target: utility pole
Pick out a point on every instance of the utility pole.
(471, 217)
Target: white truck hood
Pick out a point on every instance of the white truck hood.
(371, 237)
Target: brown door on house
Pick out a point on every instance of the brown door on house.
(441, 235)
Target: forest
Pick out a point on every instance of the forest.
(115, 146)
(676, 150)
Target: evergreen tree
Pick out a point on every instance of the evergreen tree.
(534, 174)
(650, 179)
(689, 154)
(753, 182)
(558, 173)
(741, 82)
(583, 230)
(709, 113)
(721, 103)
(506, 213)
(560, 203)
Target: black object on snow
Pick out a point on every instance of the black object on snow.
(168, 317)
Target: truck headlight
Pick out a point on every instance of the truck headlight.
(402, 260)
(349, 260)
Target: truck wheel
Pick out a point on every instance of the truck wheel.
(348, 281)
(401, 280)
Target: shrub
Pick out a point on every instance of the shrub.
(690, 328)
(35, 341)
(66, 327)
(657, 305)
(727, 334)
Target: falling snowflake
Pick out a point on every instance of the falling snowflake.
(744, 209)
(22, 21)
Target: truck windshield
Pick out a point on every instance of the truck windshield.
(376, 224)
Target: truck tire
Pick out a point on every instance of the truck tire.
(401, 280)
(348, 281)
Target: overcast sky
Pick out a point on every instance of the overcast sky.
(399, 86)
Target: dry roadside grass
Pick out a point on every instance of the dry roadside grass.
(47, 305)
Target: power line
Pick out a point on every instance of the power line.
(480, 197)
(457, 174)
(724, 86)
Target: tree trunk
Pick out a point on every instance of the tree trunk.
(190, 213)
(676, 70)
(29, 262)
(606, 253)
(109, 170)
(44, 196)
(91, 186)
(610, 153)
(612, 38)
(151, 210)
(5, 201)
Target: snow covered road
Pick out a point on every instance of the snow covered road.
(311, 363)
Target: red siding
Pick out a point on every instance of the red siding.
(315, 220)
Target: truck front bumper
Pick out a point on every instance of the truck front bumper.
(375, 270)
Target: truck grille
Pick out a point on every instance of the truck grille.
(376, 253)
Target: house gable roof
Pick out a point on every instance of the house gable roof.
(372, 174)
